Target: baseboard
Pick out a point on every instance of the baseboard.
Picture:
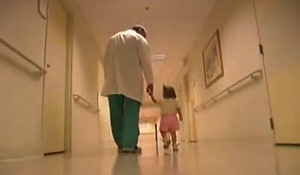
(287, 144)
(192, 141)
(21, 159)
(54, 153)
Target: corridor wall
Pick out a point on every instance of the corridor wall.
(85, 122)
(243, 116)
(20, 87)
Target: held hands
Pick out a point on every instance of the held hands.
(153, 98)
(150, 89)
(150, 92)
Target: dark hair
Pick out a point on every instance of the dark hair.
(140, 29)
(169, 92)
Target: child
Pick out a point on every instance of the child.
(169, 122)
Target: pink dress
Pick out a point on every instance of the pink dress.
(169, 123)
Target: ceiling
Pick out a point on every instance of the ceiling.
(172, 27)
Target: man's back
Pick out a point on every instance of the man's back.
(127, 56)
(123, 49)
(124, 40)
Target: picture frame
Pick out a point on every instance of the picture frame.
(212, 60)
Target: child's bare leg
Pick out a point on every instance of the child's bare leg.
(174, 141)
(165, 139)
(163, 134)
(174, 138)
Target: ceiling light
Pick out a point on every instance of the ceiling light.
(159, 57)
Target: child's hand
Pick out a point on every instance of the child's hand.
(150, 89)
(180, 118)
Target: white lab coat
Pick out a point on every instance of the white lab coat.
(126, 60)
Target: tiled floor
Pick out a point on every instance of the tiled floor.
(193, 159)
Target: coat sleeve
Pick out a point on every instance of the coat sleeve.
(105, 55)
(145, 60)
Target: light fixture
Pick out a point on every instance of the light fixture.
(159, 57)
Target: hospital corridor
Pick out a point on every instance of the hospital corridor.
(221, 74)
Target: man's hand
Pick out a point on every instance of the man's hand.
(150, 89)
(153, 98)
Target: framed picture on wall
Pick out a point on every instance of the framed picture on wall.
(212, 60)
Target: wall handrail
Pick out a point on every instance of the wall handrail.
(19, 53)
(254, 76)
(39, 10)
(88, 104)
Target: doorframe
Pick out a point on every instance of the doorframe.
(44, 78)
(264, 71)
(190, 105)
(68, 80)
(185, 112)
(68, 85)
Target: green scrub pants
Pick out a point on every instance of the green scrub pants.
(124, 117)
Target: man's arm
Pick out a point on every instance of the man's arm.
(106, 55)
(145, 60)
(153, 99)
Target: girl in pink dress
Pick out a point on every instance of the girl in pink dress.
(170, 112)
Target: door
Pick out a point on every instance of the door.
(192, 120)
(279, 27)
(54, 88)
(190, 109)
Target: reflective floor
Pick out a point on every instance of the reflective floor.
(209, 158)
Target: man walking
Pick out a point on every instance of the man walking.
(126, 60)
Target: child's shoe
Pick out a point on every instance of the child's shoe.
(167, 143)
(175, 147)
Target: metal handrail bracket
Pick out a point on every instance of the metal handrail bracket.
(39, 10)
(254, 76)
(88, 105)
(19, 53)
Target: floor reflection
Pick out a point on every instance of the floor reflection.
(205, 158)
(126, 164)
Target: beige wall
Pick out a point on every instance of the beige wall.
(245, 115)
(105, 135)
(279, 26)
(85, 123)
(21, 89)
